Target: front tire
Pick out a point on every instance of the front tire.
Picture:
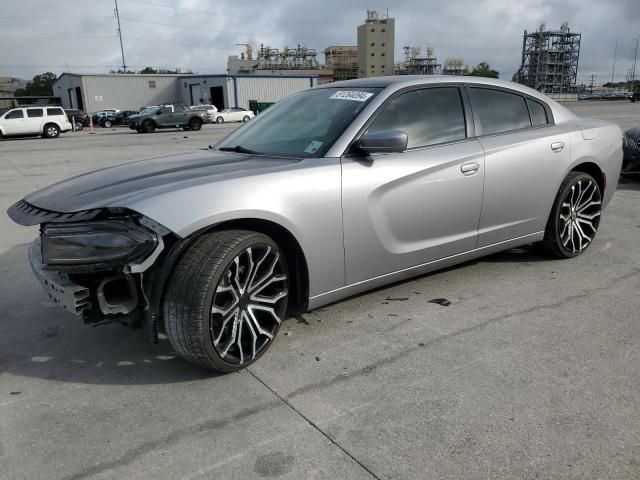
(575, 216)
(226, 298)
(219, 120)
(246, 118)
(107, 124)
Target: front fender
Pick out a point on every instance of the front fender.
(305, 200)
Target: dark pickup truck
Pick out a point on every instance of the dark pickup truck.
(167, 116)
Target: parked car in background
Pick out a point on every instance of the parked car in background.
(634, 97)
(120, 118)
(167, 116)
(210, 109)
(77, 118)
(339, 189)
(631, 150)
(234, 114)
(29, 121)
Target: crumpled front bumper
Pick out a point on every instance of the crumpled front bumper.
(70, 296)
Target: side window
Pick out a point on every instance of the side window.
(35, 112)
(537, 112)
(497, 111)
(54, 111)
(428, 116)
(15, 114)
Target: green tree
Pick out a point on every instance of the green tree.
(484, 70)
(41, 85)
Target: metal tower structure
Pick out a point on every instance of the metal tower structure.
(417, 63)
(550, 59)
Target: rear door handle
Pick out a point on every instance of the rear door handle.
(469, 168)
(557, 146)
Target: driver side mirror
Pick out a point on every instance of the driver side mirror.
(384, 141)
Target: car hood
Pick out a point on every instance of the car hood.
(116, 186)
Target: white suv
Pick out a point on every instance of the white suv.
(45, 121)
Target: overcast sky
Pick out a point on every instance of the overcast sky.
(200, 34)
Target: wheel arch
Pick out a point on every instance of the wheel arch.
(595, 171)
(50, 122)
(296, 261)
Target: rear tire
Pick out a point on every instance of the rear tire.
(225, 299)
(148, 126)
(107, 124)
(246, 118)
(195, 124)
(51, 131)
(575, 216)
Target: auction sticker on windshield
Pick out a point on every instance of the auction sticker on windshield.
(313, 147)
(351, 95)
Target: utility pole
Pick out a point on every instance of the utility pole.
(591, 83)
(633, 68)
(613, 70)
(124, 65)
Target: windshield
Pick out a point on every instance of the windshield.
(304, 125)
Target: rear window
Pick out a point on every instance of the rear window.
(538, 113)
(15, 114)
(497, 111)
(35, 112)
(54, 111)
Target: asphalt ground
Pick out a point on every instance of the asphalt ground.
(532, 371)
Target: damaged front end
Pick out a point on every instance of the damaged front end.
(95, 265)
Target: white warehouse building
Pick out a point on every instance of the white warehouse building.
(95, 92)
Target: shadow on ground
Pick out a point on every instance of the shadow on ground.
(38, 339)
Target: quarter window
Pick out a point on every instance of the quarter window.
(35, 112)
(54, 111)
(497, 111)
(428, 116)
(15, 114)
(538, 113)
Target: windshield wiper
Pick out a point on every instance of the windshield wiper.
(239, 149)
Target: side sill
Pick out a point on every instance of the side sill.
(318, 301)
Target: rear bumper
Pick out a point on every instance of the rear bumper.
(70, 296)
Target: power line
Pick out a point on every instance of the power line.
(231, 32)
(191, 45)
(217, 14)
(31, 17)
(7, 37)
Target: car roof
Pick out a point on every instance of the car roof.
(397, 82)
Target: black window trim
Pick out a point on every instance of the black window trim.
(6, 117)
(550, 120)
(27, 110)
(466, 110)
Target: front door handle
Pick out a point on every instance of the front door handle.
(557, 146)
(469, 168)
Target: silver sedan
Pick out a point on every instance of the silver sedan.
(333, 191)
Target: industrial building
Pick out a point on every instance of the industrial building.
(273, 61)
(376, 43)
(550, 59)
(342, 60)
(418, 63)
(94, 92)
(455, 66)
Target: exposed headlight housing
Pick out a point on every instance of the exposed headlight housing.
(105, 244)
